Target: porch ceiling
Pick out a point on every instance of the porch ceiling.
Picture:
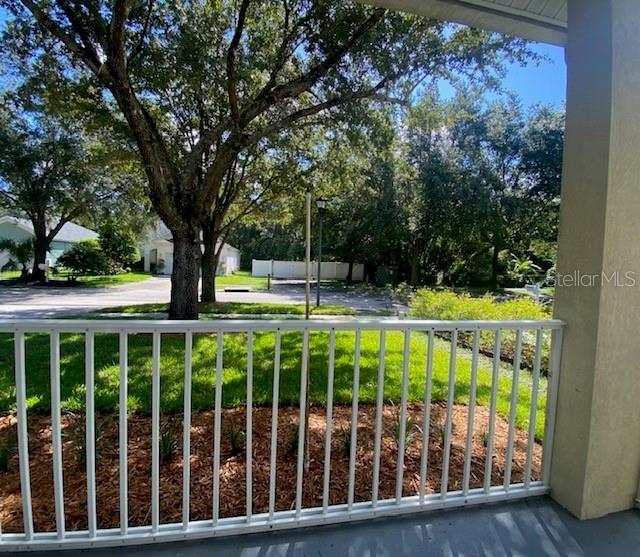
(537, 20)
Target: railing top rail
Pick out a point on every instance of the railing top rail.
(243, 325)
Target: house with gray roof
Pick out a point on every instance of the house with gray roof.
(19, 230)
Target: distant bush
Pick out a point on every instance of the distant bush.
(447, 305)
(119, 245)
(85, 258)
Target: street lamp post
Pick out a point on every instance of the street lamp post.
(321, 204)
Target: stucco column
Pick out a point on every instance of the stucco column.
(596, 459)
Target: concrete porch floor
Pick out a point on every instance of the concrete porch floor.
(537, 527)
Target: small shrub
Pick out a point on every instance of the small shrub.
(7, 450)
(447, 305)
(343, 438)
(76, 435)
(168, 442)
(484, 437)
(236, 438)
(85, 258)
(291, 444)
(411, 428)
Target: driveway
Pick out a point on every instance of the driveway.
(20, 302)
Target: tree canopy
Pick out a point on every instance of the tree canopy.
(196, 84)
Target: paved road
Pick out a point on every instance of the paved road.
(20, 302)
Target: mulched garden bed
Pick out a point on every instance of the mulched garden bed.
(232, 473)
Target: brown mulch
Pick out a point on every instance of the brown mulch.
(232, 472)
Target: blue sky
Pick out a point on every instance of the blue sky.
(541, 83)
(545, 83)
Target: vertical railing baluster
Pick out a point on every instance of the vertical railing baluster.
(90, 432)
(329, 422)
(217, 430)
(403, 414)
(375, 487)
(444, 487)
(123, 437)
(249, 439)
(186, 429)
(354, 420)
(533, 409)
(302, 423)
(155, 433)
(471, 408)
(56, 433)
(488, 466)
(23, 433)
(274, 426)
(426, 420)
(552, 401)
(512, 410)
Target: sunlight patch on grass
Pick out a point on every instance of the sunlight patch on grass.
(234, 375)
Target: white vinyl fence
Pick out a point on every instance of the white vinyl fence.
(330, 270)
(300, 338)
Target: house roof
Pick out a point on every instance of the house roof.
(162, 233)
(70, 231)
(538, 20)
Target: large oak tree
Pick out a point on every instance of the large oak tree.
(198, 83)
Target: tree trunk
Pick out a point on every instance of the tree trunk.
(185, 276)
(414, 267)
(494, 269)
(40, 248)
(350, 273)
(209, 264)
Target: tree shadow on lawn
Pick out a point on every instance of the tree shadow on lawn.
(234, 391)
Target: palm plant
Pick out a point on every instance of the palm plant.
(21, 252)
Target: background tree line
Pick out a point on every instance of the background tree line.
(460, 192)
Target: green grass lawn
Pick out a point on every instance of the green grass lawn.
(100, 281)
(91, 281)
(228, 308)
(10, 275)
(241, 278)
(234, 375)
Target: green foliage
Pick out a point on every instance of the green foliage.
(343, 438)
(234, 373)
(85, 258)
(484, 437)
(448, 305)
(8, 449)
(236, 437)
(168, 441)
(412, 427)
(524, 271)
(20, 252)
(291, 68)
(119, 244)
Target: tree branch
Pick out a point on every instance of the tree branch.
(117, 52)
(135, 52)
(232, 77)
(315, 109)
(88, 56)
(267, 97)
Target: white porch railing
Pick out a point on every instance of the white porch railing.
(432, 333)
